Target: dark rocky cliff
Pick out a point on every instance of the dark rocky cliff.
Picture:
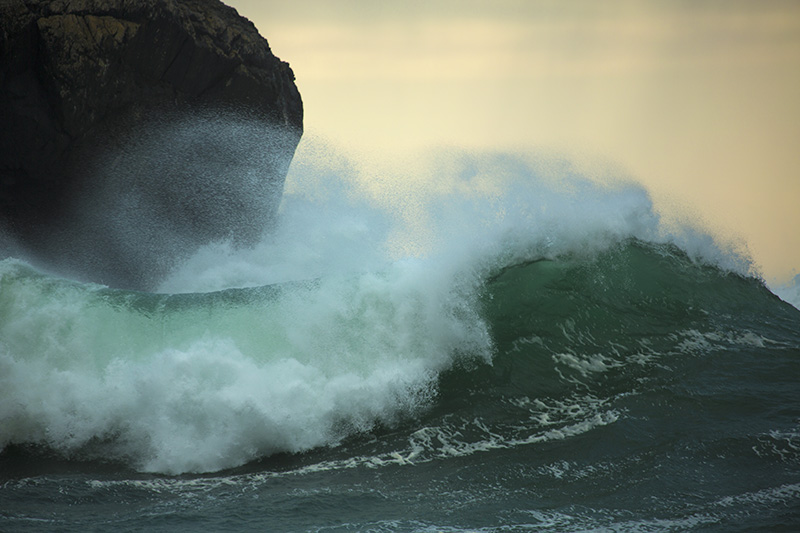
(81, 79)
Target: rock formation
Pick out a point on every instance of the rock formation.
(83, 81)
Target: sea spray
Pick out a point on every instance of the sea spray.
(457, 211)
(789, 292)
(174, 181)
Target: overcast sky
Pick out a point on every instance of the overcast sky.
(697, 100)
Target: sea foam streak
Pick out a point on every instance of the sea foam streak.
(356, 303)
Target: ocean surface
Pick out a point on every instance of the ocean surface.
(477, 343)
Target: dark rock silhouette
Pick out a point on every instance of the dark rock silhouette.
(87, 87)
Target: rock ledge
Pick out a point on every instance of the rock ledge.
(78, 76)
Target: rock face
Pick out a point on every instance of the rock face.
(81, 80)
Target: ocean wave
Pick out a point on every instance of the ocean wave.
(362, 312)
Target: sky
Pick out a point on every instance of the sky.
(697, 100)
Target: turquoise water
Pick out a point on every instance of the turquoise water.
(541, 355)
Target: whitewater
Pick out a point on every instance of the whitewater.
(464, 342)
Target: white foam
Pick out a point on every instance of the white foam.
(696, 342)
(302, 370)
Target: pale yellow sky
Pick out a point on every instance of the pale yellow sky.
(697, 100)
